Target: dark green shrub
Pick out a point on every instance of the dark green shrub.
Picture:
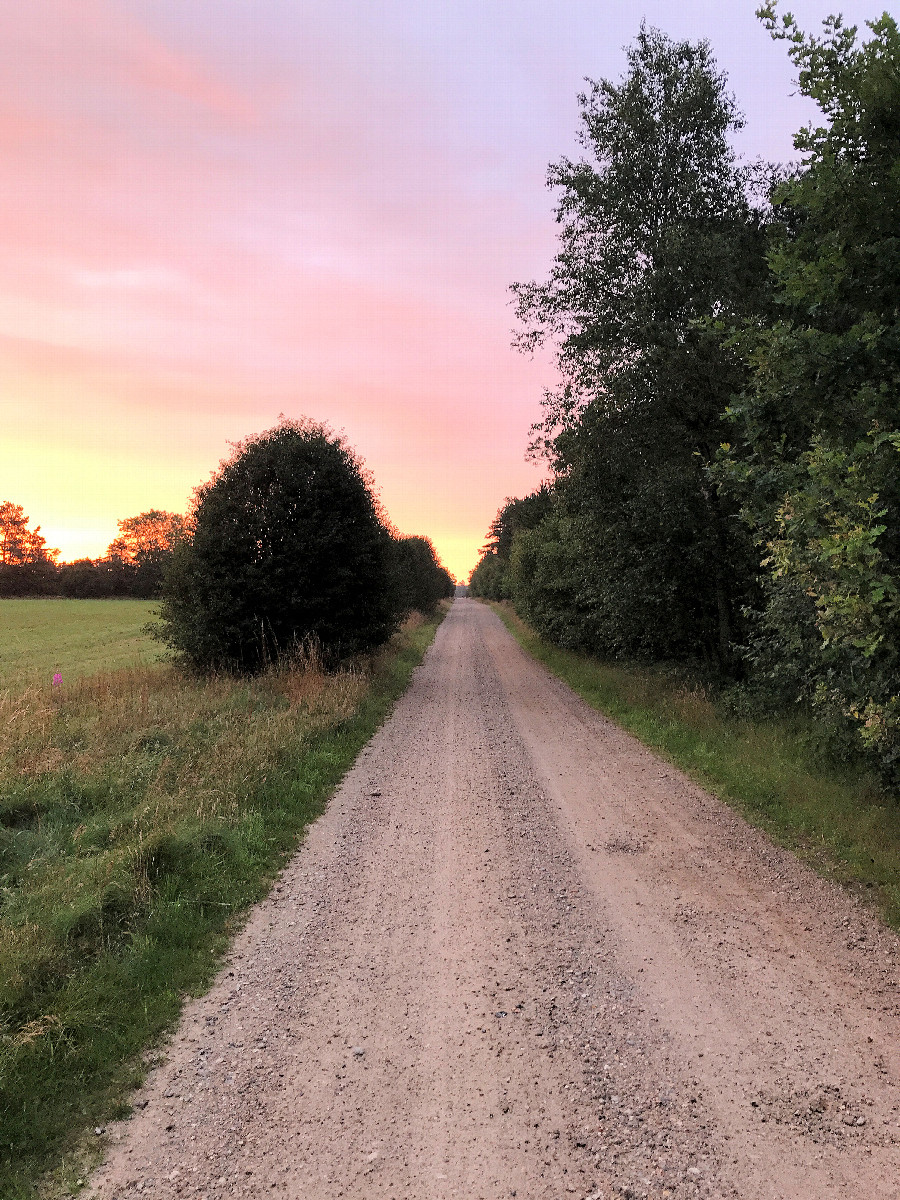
(489, 577)
(287, 548)
(418, 581)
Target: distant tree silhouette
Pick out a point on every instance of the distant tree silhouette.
(145, 545)
(19, 545)
(27, 565)
(418, 581)
(146, 537)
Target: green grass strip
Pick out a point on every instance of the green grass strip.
(837, 818)
(82, 1018)
(73, 637)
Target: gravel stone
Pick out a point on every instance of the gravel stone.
(568, 970)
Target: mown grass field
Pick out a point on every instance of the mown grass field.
(837, 818)
(39, 638)
(142, 811)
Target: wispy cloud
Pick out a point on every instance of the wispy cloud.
(160, 279)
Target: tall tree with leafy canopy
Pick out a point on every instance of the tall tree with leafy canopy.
(20, 545)
(147, 537)
(657, 241)
(814, 438)
(27, 564)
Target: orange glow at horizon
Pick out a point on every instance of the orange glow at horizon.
(199, 234)
(77, 487)
(108, 487)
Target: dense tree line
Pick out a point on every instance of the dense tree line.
(724, 441)
(133, 565)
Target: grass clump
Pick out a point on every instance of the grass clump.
(73, 637)
(834, 815)
(141, 813)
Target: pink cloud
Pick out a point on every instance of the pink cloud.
(18, 129)
(97, 40)
(157, 67)
(188, 250)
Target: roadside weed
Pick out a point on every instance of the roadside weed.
(836, 817)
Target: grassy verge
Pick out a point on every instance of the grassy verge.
(73, 637)
(142, 813)
(836, 818)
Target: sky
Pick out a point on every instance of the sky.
(214, 212)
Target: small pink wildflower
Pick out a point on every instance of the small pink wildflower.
(57, 680)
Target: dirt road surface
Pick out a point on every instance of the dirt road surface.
(521, 956)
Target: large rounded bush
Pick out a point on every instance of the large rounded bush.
(286, 547)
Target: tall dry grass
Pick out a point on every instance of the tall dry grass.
(130, 719)
(98, 779)
(141, 811)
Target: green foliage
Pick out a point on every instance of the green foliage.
(516, 516)
(658, 244)
(811, 454)
(491, 578)
(551, 581)
(287, 547)
(546, 580)
(725, 435)
(417, 579)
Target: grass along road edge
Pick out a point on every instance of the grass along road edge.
(143, 813)
(837, 819)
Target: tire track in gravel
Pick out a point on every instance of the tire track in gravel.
(520, 956)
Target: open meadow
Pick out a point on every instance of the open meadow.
(39, 638)
(142, 811)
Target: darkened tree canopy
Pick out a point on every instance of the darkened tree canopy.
(287, 546)
(726, 431)
(27, 564)
(417, 579)
(657, 240)
(20, 545)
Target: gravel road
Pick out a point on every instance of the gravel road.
(521, 956)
